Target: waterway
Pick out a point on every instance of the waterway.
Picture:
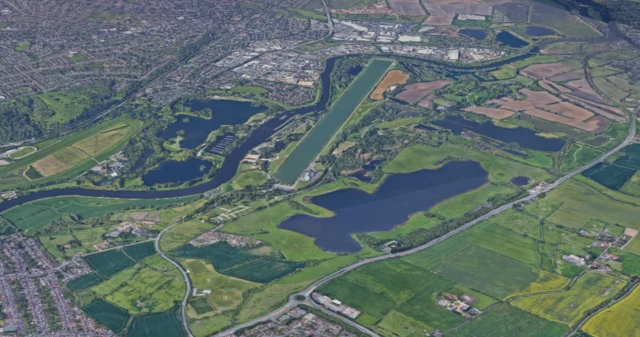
(399, 196)
(233, 159)
(177, 172)
(525, 138)
(476, 34)
(323, 131)
(511, 40)
(195, 130)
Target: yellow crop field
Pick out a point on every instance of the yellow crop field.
(569, 306)
(620, 320)
(96, 144)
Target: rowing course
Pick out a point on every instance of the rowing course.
(328, 126)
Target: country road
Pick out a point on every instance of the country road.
(183, 307)
(306, 292)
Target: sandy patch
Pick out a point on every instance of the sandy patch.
(414, 92)
(391, 78)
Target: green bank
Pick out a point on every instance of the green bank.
(326, 128)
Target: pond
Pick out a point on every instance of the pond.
(520, 181)
(178, 172)
(539, 31)
(399, 196)
(476, 34)
(525, 138)
(510, 40)
(196, 129)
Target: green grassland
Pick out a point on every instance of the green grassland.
(23, 152)
(496, 275)
(518, 222)
(578, 155)
(165, 324)
(630, 262)
(502, 241)
(505, 320)
(84, 282)
(568, 307)
(632, 186)
(634, 245)
(611, 176)
(582, 202)
(249, 178)
(181, 233)
(436, 255)
(109, 262)
(34, 216)
(398, 324)
(201, 305)
(619, 320)
(108, 315)
(500, 170)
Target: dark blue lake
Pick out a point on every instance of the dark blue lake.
(525, 138)
(539, 31)
(399, 196)
(196, 130)
(520, 180)
(510, 40)
(178, 172)
(476, 34)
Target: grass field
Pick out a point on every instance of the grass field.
(222, 255)
(619, 320)
(578, 155)
(165, 324)
(249, 178)
(496, 275)
(611, 176)
(502, 241)
(84, 282)
(399, 324)
(332, 121)
(630, 264)
(634, 245)
(109, 262)
(265, 270)
(500, 170)
(141, 250)
(23, 152)
(436, 255)
(505, 320)
(632, 162)
(226, 292)
(373, 305)
(108, 315)
(518, 222)
(568, 307)
(201, 305)
(581, 203)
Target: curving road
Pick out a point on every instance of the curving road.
(307, 292)
(184, 274)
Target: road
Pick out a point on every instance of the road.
(184, 274)
(307, 292)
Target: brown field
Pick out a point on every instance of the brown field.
(511, 104)
(427, 102)
(609, 112)
(442, 12)
(581, 88)
(490, 112)
(552, 87)
(393, 77)
(513, 12)
(414, 92)
(49, 166)
(540, 98)
(406, 7)
(572, 75)
(569, 110)
(594, 124)
(544, 70)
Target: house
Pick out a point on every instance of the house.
(468, 298)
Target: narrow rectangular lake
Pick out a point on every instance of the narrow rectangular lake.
(337, 115)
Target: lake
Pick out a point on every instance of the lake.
(539, 31)
(510, 40)
(520, 180)
(399, 196)
(525, 138)
(476, 34)
(178, 172)
(196, 129)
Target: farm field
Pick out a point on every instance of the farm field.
(569, 306)
(502, 241)
(611, 176)
(84, 282)
(619, 320)
(414, 92)
(393, 77)
(518, 222)
(141, 250)
(505, 320)
(323, 131)
(110, 316)
(109, 262)
(165, 324)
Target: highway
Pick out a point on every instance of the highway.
(307, 292)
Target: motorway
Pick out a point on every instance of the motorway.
(307, 292)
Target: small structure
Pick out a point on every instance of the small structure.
(575, 260)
